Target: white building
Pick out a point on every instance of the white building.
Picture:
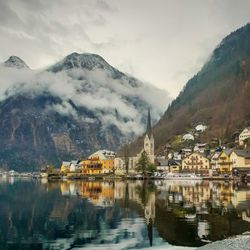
(200, 147)
(200, 128)
(214, 161)
(187, 137)
(244, 135)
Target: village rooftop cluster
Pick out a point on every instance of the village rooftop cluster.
(188, 163)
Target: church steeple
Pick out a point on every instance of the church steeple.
(149, 140)
(149, 127)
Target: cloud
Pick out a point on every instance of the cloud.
(112, 101)
(166, 49)
(51, 27)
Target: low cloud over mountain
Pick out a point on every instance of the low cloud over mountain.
(85, 90)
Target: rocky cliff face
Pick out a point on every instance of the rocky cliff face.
(73, 108)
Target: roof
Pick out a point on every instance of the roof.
(66, 163)
(163, 162)
(103, 154)
(149, 127)
(248, 128)
(173, 162)
(227, 151)
(197, 153)
(242, 153)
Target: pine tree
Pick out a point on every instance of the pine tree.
(144, 165)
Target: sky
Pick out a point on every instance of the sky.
(161, 42)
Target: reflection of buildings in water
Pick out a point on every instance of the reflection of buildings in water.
(240, 196)
(72, 189)
(222, 194)
(245, 216)
(149, 209)
(59, 214)
(139, 193)
(44, 181)
(100, 194)
(198, 194)
(203, 229)
(239, 201)
(131, 191)
(103, 194)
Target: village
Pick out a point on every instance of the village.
(188, 163)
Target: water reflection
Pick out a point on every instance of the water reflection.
(120, 215)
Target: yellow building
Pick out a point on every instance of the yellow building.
(240, 159)
(196, 163)
(95, 166)
(106, 158)
(65, 168)
(98, 193)
(107, 165)
(174, 167)
(224, 162)
(91, 166)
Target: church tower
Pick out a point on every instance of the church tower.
(149, 142)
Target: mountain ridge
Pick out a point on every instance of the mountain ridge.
(69, 110)
(15, 62)
(218, 96)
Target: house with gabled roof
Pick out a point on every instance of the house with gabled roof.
(240, 160)
(245, 134)
(196, 163)
(224, 162)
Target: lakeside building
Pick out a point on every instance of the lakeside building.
(245, 134)
(65, 167)
(148, 147)
(92, 166)
(100, 162)
(196, 163)
(167, 165)
(69, 166)
(106, 158)
(214, 161)
(240, 161)
(224, 162)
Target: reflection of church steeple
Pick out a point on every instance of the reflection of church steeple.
(149, 127)
(150, 232)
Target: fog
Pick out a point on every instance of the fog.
(113, 101)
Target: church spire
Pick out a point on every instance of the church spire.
(149, 128)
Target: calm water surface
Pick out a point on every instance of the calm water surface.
(120, 215)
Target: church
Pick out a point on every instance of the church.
(148, 147)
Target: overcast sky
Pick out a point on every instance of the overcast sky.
(163, 42)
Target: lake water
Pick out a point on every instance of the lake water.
(36, 214)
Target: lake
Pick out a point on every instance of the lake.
(37, 214)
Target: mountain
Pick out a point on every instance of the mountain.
(217, 96)
(15, 62)
(73, 108)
